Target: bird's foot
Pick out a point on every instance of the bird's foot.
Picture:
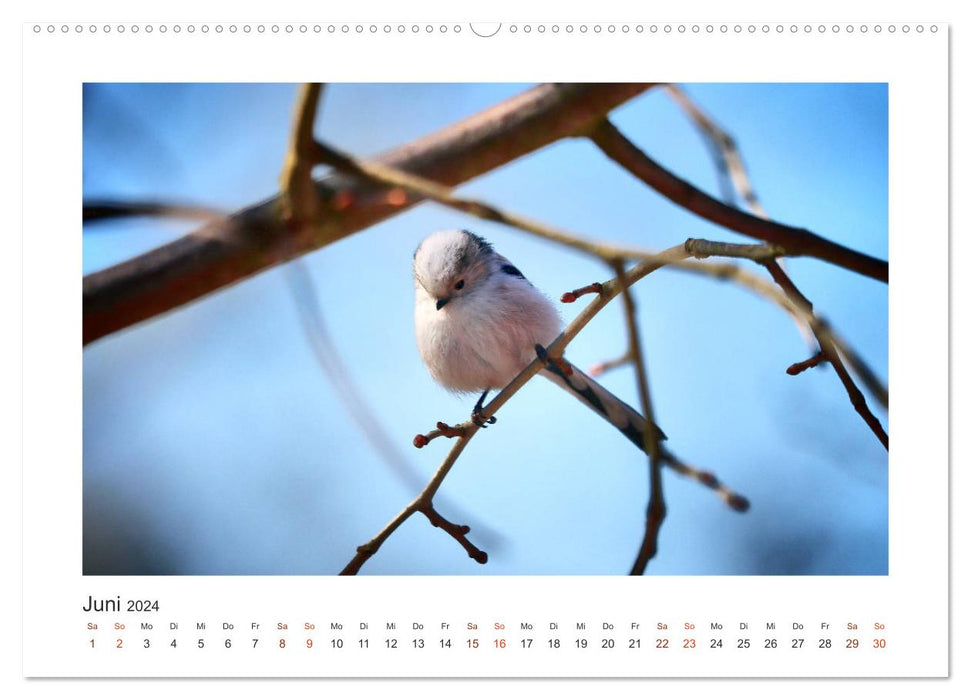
(556, 364)
(477, 416)
(480, 419)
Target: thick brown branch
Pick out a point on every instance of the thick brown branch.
(259, 237)
(795, 241)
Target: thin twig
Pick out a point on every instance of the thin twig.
(349, 394)
(656, 508)
(801, 309)
(297, 186)
(606, 292)
(573, 295)
(298, 193)
(423, 503)
(785, 282)
(407, 186)
(314, 214)
(701, 248)
(458, 532)
(301, 201)
(832, 355)
(312, 321)
(466, 431)
(795, 241)
(469, 429)
(727, 156)
(301, 206)
(874, 384)
(800, 367)
(734, 500)
(603, 367)
(416, 188)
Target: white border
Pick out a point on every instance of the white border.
(53, 70)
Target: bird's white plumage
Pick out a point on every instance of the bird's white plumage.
(487, 331)
(478, 321)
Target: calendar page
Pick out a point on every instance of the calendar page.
(438, 348)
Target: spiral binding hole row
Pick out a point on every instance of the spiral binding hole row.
(592, 29)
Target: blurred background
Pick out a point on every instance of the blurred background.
(215, 444)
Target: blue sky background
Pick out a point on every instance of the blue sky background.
(214, 444)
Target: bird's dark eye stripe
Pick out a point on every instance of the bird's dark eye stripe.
(512, 270)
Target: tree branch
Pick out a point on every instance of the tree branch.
(801, 308)
(829, 349)
(308, 214)
(764, 254)
(605, 366)
(794, 241)
(656, 508)
(260, 236)
(606, 292)
(733, 500)
(466, 431)
(800, 367)
(105, 210)
(700, 248)
(409, 186)
(298, 193)
(727, 156)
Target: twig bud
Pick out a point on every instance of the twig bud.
(570, 297)
(739, 503)
(397, 197)
(343, 199)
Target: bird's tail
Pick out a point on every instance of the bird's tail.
(628, 421)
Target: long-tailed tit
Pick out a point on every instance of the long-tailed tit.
(478, 321)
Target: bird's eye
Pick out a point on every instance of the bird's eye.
(460, 284)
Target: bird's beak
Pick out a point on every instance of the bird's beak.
(442, 302)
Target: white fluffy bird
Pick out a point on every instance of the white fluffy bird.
(478, 321)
